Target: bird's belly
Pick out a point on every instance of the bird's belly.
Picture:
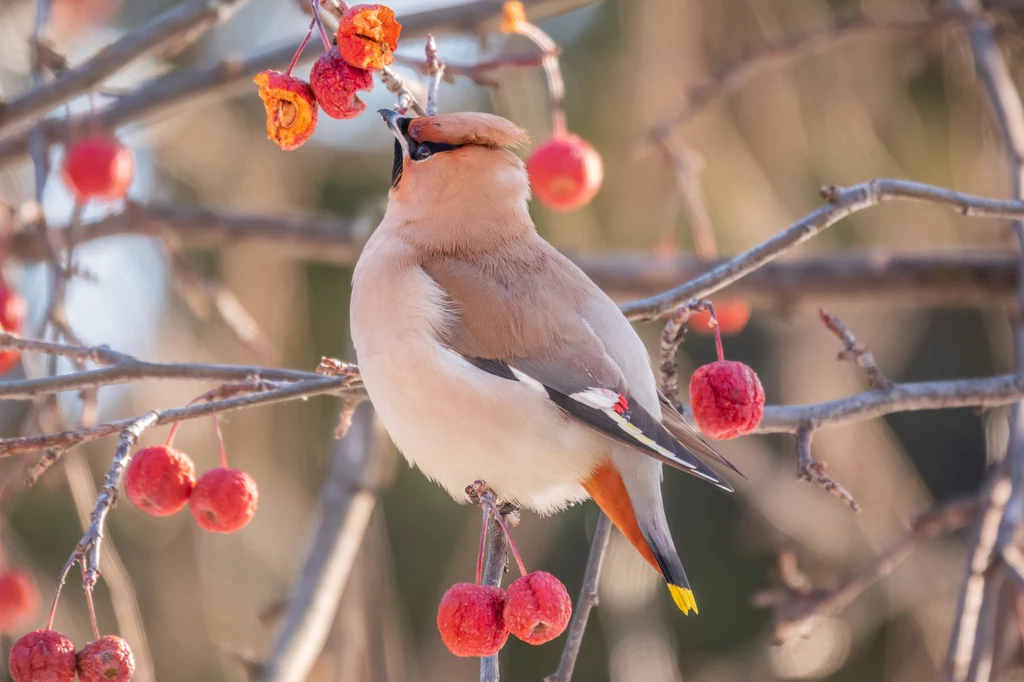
(459, 424)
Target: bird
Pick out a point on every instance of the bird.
(488, 355)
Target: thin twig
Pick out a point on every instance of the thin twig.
(494, 571)
(672, 336)
(586, 602)
(841, 204)
(796, 600)
(435, 73)
(293, 391)
(855, 351)
(811, 470)
(190, 18)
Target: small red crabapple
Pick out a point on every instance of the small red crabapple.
(727, 399)
(471, 621)
(732, 315)
(19, 599)
(42, 656)
(108, 659)
(159, 480)
(335, 83)
(12, 317)
(98, 167)
(565, 172)
(224, 500)
(537, 608)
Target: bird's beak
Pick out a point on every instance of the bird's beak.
(399, 124)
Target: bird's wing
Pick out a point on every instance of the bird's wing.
(678, 427)
(528, 327)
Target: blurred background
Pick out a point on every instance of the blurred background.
(892, 103)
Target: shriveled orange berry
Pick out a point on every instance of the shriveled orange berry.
(727, 399)
(732, 317)
(471, 621)
(224, 500)
(513, 16)
(368, 36)
(159, 480)
(19, 599)
(537, 608)
(291, 108)
(108, 659)
(565, 172)
(98, 167)
(42, 656)
(335, 83)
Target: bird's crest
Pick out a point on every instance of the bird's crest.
(463, 128)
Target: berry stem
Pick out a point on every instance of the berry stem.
(170, 434)
(483, 544)
(60, 585)
(92, 609)
(314, 5)
(553, 71)
(302, 45)
(508, 536)
(220, 442)
(718, 332)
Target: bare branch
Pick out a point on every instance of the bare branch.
(796, 601)
(189, 17)
(494, 571)
(291, 391)
(855, 351)
(672, 336)
(928, 395)
(586, 602)
(841, 203)
(811, 470)
(481, 72)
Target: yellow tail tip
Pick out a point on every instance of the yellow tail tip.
(683, 597)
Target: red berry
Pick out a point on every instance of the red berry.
(565, 172)
(335, 83)
(224, 500)
(159, 480)
(471, 621)
(537, 608)
(19, 599)
(368, 35)
(98, 167)
(108, 659)
(732, 318)
(727, 399)
(12, 317)
(291, 108)
(42, 656)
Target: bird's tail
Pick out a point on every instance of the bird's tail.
(652, 541)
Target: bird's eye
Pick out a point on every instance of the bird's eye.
(422, 153)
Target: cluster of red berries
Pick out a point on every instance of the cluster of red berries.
(161, 480)
(476, 620)
(366, 39)
(98, 167)
(726, 397)
(49, 656)
(12, 317)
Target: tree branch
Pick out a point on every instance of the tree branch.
(187, 18)
(841, 203)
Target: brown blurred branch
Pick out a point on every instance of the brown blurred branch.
(971, 278)
(741, 71)
(841, 204)
(973, 641)
(187, 18)
(586, 602)
(855, 351)
(348, 495)
(796, 601)
(160, 94)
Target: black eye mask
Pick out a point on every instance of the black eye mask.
(417, 151)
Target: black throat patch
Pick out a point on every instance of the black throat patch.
(396, 169)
